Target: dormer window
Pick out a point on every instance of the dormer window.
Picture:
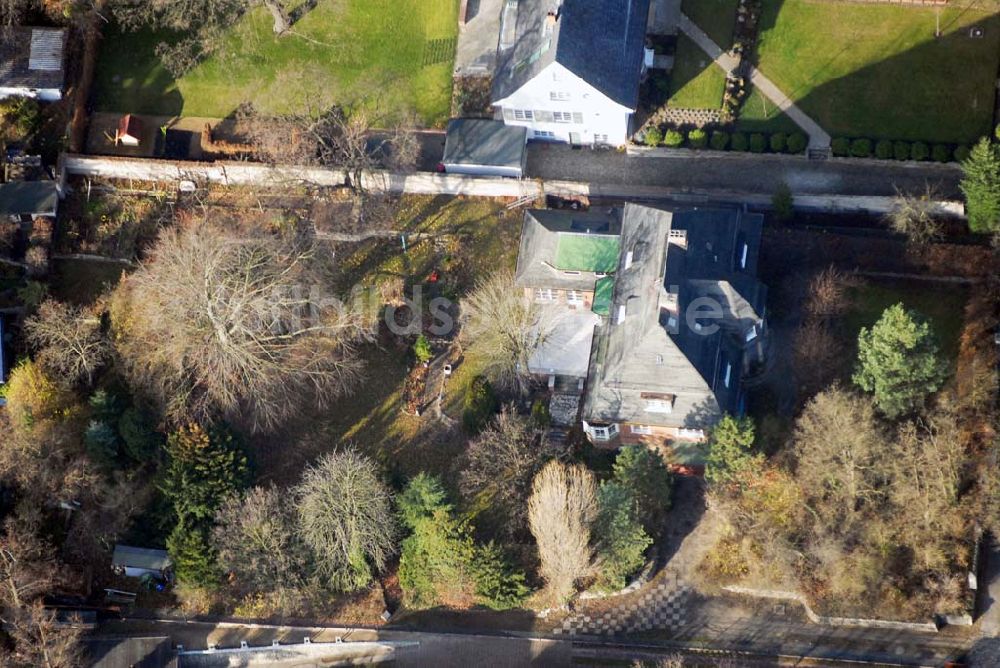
(743, 256)
(658, 402)
(628, 259)
(620, 318)
(729, 374)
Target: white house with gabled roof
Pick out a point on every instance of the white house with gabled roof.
(569, 70)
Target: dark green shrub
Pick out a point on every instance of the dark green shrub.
(919, 151)
(962, 153)
(783, 204)
(901, 150)
(941, 153)
(797, 143)
(883, 149)
(480, 405)
(653, 137)
(778, 142)
(719, 140)
(861, 148)
(540, 416)
(738, 142)
(758, 143)
(841, 146)
(673, 138)
(697, 138)
(139, 440)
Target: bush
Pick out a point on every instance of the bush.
(783, 204)
(861, 148)
(758, 143)
(422, 349)
(841, 146)
(738, 142)
(941, 153)
(901, 150)
(653, 137)
(797, 143)
(962, 153)
(778, 142)
(697, 138)
(883, 149)
(919, 151)
(719, 140)
(480, 405)
(673, 139)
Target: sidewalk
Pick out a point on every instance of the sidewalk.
(818, 137)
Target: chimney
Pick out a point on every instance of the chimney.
(551, 18)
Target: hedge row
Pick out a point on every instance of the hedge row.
(885, 149)
(719, 140)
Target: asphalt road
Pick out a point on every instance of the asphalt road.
(741, 172)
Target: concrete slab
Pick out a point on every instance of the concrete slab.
(478, 38)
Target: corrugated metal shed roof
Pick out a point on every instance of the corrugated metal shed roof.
(31, 57)
(140, 557)
(28, 198)
(46, 50)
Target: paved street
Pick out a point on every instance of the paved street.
(688, 171)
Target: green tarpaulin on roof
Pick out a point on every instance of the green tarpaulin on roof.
(603, 292)
(587, 252)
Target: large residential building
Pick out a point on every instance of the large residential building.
(659, 318)
(569, 70)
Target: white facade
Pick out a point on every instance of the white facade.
(43, 94)
(557, 105)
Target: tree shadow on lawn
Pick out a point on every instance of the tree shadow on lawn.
(940, 91)
(131, 78)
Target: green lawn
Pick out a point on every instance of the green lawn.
(759, 114)
(396, 54)
(878, 71)
(695, 82)
(715, 17)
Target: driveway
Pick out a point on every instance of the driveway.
(478, 38)
(688, 171)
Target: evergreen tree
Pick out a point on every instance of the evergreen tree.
(981, 187)
(205, 466)
(899, 362)
(643, 473)
(730, 450)
(498, 584)
(621, 539)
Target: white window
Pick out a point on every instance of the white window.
(751, 334)
(544, 134)
(604, 433)
(641, 429)
(743, 257)
(628, 259)
(562, 117)
(621, 315)
(524, 115)
(574, 298)
(692, 434)
(558, 96)
(600, 139)
(729, 374)
(659, 406)
(543, 294)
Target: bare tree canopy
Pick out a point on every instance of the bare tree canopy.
(503, 328)
(69, 340)
(220, 322)
(561, 511)
(915, 216)
(346, 519)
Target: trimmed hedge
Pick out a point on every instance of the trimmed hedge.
(840, 146)
(673, 139)
(919, 151)
(778, 142)
(653, 137)
(883, 149)
(962, 153)
(719, 140)
(797, 143)
(901, 150)
(739, 142)
(698, 138)
(941, 153)
(861, 148)
(758, 143)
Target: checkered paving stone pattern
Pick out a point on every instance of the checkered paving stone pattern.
(662, 607)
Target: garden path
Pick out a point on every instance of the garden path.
(818, 137)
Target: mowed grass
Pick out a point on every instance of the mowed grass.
(716, 17)
(396, 55)
(878, 71)
(759, 114)
(696, 82)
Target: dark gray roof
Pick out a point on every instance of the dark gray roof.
(536, 260)
(31, 57)
(123, 652)
(476, 141)
(28, 197)
(681, 256)
(140, 557)
(601, 41)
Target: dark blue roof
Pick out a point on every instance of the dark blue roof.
(601, 41)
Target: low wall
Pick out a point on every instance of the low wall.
(929, 627)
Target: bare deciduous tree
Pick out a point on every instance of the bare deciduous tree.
(561, 511)
(915, 217)
(345, 519)
(829, 293)
(222, 322)
(503, 328)
(500, 464)
(255, 540)
(69, 340)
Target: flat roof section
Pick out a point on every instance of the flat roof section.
(477, 141)
(587, 252)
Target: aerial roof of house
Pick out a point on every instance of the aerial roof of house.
(140, 557)
(478, 141)
(687, 369)
(600, 41)
(31, 57)
(565, 250)
(28, 198)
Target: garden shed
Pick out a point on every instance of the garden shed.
(134, 562)
(480, 147)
